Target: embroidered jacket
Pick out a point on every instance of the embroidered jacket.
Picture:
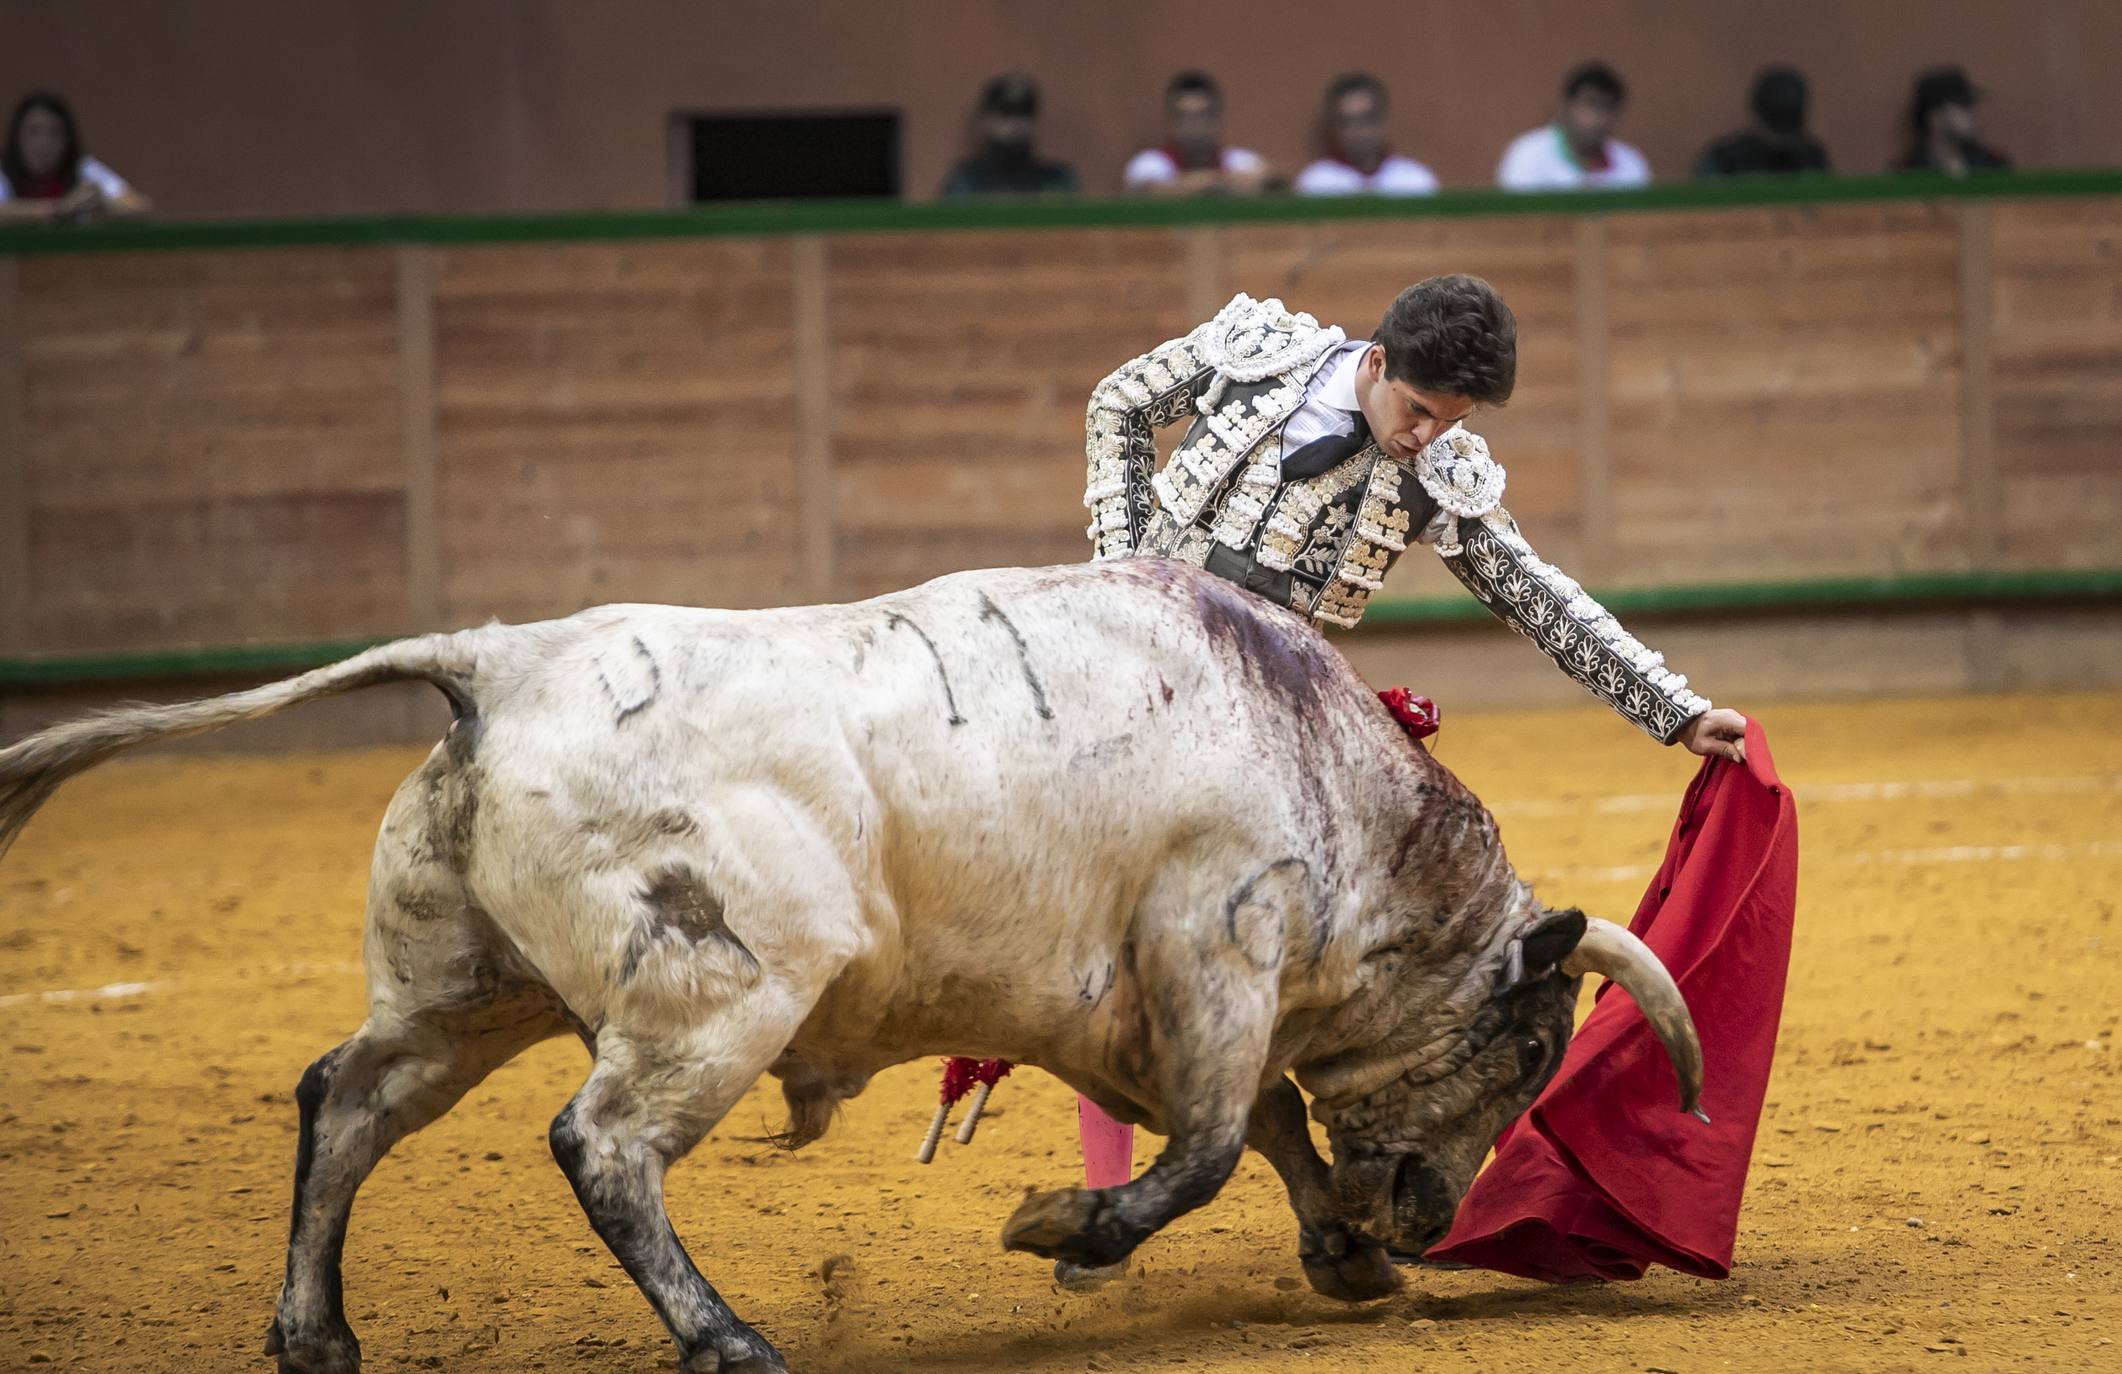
(1322, 545)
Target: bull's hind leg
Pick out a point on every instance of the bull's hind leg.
(398, 1073)
(448, 1004)
(649, 1100)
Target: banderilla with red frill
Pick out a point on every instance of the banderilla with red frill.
(962, 1076)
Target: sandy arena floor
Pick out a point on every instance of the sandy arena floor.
(1939, 1174)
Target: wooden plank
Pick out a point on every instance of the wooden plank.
(1595, 455)
(1978, 465)
(16, 586)
(961, 365)
(1207, 290)
(416, 383)
(213, 447)
(813, 384)
(616, 422)
(1785, 393)
(2056, 357)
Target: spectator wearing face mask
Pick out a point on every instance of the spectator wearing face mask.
(46, 175)
(1005, 158)
(1777, 142)
(1577, 149)
(1944, 132)
(1361, 160)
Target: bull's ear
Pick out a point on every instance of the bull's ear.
(1533, 954)
(1550, 942)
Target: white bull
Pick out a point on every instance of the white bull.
(1121, 821)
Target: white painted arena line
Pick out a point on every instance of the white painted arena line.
(1930, 789)
(1869, 858)
(120, 992)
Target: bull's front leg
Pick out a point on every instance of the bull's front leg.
(1198, 1006)
(1339, 1262)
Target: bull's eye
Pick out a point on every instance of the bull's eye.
(1531, 1053)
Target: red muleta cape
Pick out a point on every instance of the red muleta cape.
(1604, 1176)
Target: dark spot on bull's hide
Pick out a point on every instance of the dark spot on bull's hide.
(463, 734)
(678, 902)
(1280, 654)
(420, 904)
(452, 807)
(1165, 688)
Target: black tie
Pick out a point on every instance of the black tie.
(1320, 455)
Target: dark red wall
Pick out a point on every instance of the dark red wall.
(352, 106)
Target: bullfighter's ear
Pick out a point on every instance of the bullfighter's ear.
(1547, 944)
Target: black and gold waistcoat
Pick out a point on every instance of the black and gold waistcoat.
(1322, 545)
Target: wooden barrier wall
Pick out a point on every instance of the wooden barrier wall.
(304, 443)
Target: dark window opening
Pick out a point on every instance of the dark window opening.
(786, 156)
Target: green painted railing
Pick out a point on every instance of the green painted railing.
(882, 216)
(1970, 589)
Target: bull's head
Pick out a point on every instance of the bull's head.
(1409, 1130)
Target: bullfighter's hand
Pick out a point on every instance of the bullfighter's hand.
(1719, 732)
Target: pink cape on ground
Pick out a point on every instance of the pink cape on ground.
(1604, 1176)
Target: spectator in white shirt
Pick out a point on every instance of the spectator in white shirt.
(45, 175)
(1578, 150)
(1194, 159)
(1361, 162)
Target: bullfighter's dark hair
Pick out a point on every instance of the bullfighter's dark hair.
(1454, 335)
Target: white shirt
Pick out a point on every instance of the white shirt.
(101, 177)
(1396, 176)
(1540, 161)
(1329, 404)
(1154, 166)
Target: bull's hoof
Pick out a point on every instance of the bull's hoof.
(744, 1351)
(1349, 1268)
(314, 1356)
(1087, 1278)
(1072, 1224)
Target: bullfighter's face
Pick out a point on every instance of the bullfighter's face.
(1405, 1153)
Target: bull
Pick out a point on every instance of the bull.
(1121, 821)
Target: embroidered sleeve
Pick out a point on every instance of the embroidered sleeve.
(1545, 605)
(1141, 396)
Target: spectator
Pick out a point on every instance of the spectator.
(45, 174)
(1360, 160)
(1194, 159)
(1005, 162)
(1944, 134)
(1778, 140)
(1578, 150)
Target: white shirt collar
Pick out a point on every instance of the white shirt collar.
(1340, 389)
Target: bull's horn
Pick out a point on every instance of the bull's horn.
(1613, 953)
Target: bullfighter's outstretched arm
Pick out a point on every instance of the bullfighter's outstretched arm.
(1141, 396)
(1481, 545)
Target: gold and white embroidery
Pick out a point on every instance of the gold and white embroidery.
(1547, 606)
(1462, 479)
(1146, 393)
(1300, 505)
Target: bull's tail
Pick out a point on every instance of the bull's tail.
(32, 769)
